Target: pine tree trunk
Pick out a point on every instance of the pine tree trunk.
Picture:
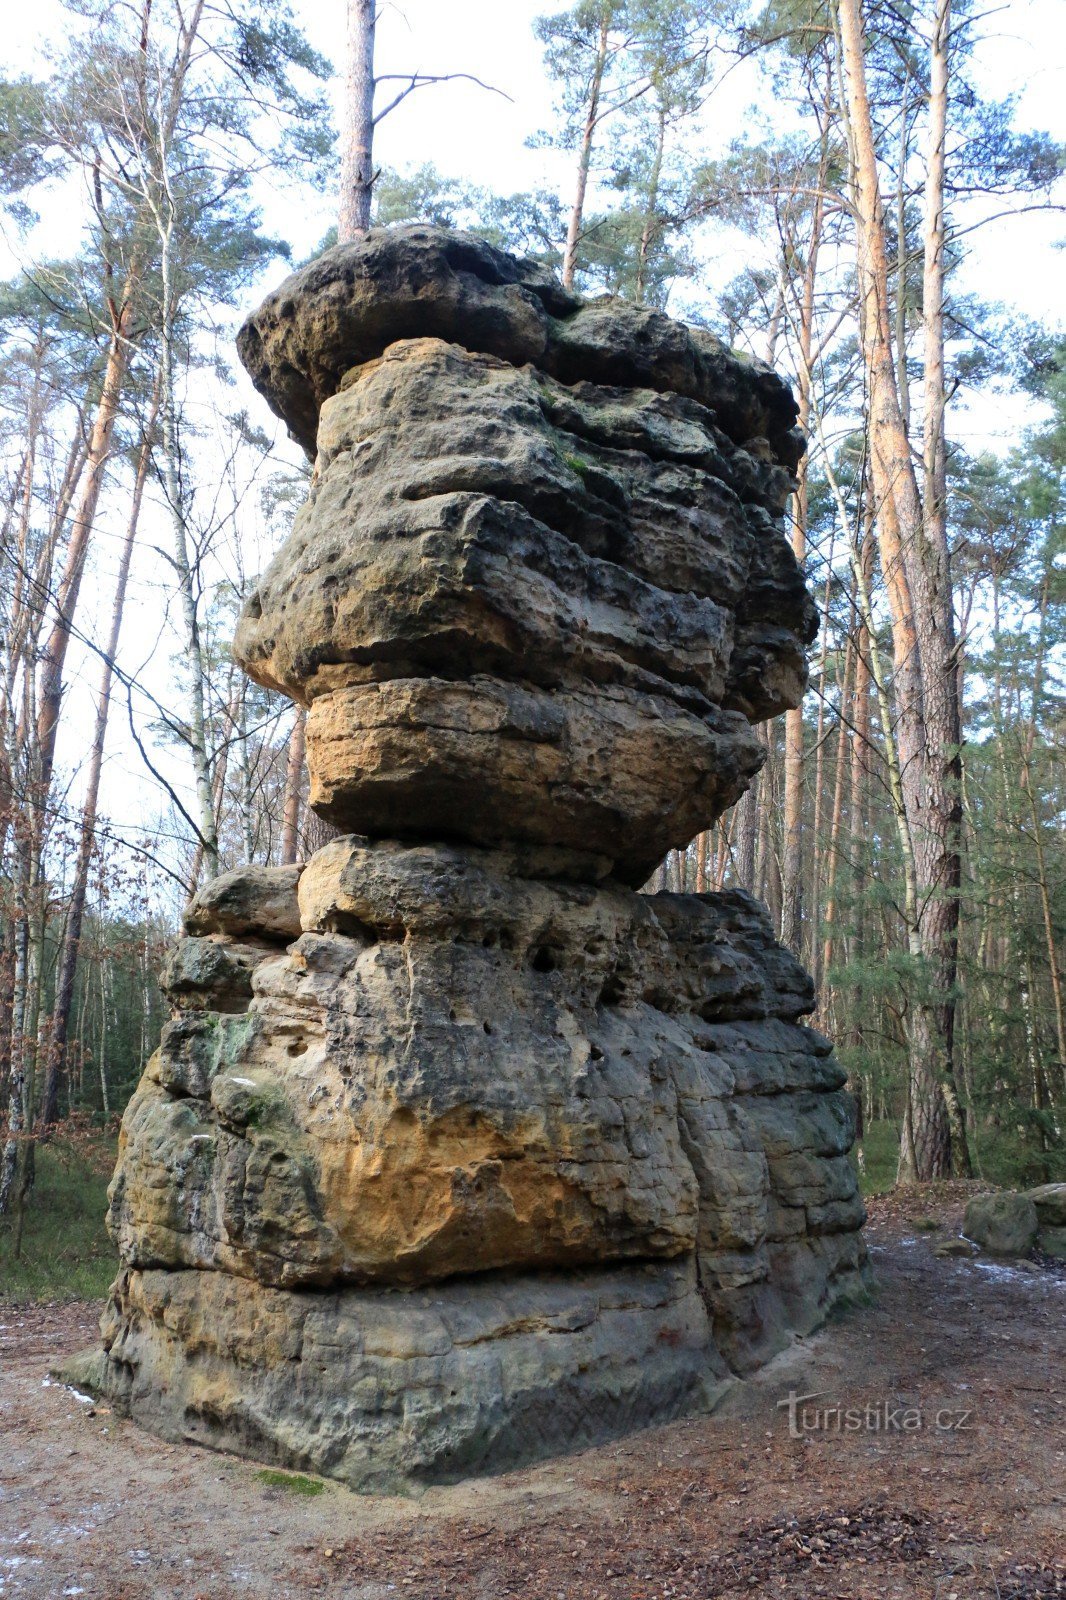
(792, 839)
(357, 140)
(837, 816)
(912, 541)
(53, 659)
(651, 213)
(294, 768)
(584, 160)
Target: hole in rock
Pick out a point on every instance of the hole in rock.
(544, 960)
(612, 990)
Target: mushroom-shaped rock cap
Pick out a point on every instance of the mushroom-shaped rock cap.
(349, 304)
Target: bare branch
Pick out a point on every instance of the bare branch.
(419, 80)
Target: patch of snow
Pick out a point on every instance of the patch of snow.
(50, 1383)
(247, 1083)
(1001, 1274)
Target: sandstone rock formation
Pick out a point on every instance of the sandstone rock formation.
(520, 604)
(457, 1149)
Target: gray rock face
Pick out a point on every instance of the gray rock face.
(350, 303)
(387, 1391)
(536, 593)
(587, 1075)
(250, 902)
(1005, 1224)
(457, 1150)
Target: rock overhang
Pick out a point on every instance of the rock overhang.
(348, 304)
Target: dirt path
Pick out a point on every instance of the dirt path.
(725, 1506)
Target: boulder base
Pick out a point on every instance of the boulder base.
(389, 1391)
(487, 1163)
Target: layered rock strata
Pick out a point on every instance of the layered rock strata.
(539, 591)
(457, 1149)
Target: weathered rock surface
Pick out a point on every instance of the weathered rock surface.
(456, 1150)
(463, 1066)
(1053, 1242)
(388, 1391)
(963, 1248)
(526, 608)
(455, 1064)
(1049, 1201)
(1004, 1224)
(348, 304)
(252, 902)
(1011, 1224)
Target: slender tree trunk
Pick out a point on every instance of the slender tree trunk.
(357, 139)
(1037, 821)
(940, 844)
(651, 212)
(792, 839)
(747, 831)
(837, 817)
(196, 735)
(54, 655)
(912, 540)
(294, 768)
(584, 160)
(16, 1088)
(68, 959)
(102, 1052)
(857, 830)
(902, 251)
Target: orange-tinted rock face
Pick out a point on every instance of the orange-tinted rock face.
(452, 1086)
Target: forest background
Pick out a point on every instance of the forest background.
(866, 194)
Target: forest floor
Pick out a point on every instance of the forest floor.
(970, 1504)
